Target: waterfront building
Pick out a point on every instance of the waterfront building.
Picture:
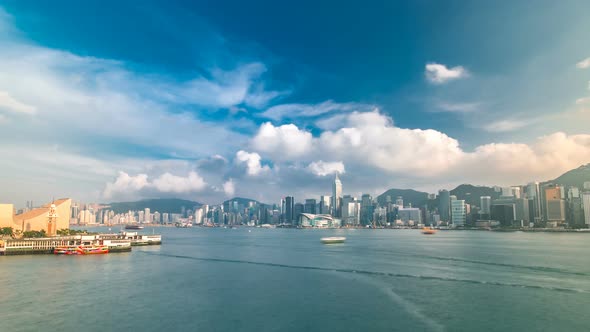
(298, 209)
(289, 210)
(554, 205)
(444, 205)
(336, 197)
(198, 216)
(485, 204)
(458, 215)
(324, 205)
(147, 215)
(534, 196)
(310, 206)
(409, 215)
(317, 220)
(38, 219)
(586, 205)
(521, 211)
(367, 209)
(352, 210)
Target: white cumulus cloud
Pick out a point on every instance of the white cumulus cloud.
(283, 142)
(438, 74)
(252, 161)
(322, 168)
(127, 185)
(584, 64)
(229, 188)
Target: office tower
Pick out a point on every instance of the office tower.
(458, 215)
(410, 216)
(198, 216)
(554, 205)
(521, 211)
(165, 219)
(485, 205)
(503, 213)
(310, 205)
(298, 209)
(336, 197)
(324, 205)
(289, 210)
(586, 205)
(147, 215)
(444, 205)
(586, 185)
(507, 192)
(534, 196)
(367, 209)
(399, 201)
(515, 191)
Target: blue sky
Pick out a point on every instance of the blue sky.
(206, 100)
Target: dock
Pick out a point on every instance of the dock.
(122, 242)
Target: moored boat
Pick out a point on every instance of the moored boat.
(333, 239)
(81, 250)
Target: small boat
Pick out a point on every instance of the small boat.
(133, 227)
(428, 231)
(332, 240)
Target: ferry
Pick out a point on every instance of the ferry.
(81, 250)
(133, 227)
(332, 240)
(428, 231)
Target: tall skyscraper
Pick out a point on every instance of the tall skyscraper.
(485, 203)
(147, 215)
(444, 205)
(554, 205)
(289, 210)
(325, 205)
(534, 196)
(458, 214)
(367, 209)
(310, 205)
(336, 197)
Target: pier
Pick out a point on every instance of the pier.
(115, 242)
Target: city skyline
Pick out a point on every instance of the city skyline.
(173, 100)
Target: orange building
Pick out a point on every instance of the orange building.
(44, 218)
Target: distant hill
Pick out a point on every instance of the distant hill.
(471, 193)
(162, 205)
(242, 201)
(575, 177)
(410, 196)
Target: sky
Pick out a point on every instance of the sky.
(108, 101)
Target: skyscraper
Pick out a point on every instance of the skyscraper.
(554, 205)
(324, 205)
(310, 205)
(458, 214)
(444, 205)
(336, 197)
(367, 209)
(289, 210)
(485, 207)
(534, 197)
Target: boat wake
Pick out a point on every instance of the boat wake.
(374, 273)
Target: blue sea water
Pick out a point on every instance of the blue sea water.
(251, 279)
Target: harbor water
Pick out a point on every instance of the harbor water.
(253, 279)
